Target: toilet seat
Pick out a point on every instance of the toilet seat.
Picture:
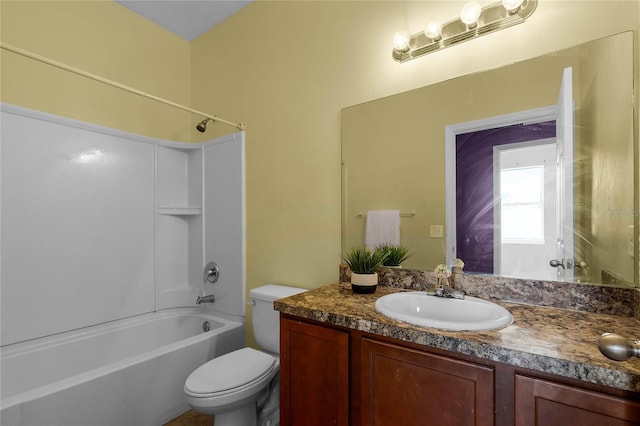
(230, 373)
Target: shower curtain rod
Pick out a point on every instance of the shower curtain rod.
(65, 67)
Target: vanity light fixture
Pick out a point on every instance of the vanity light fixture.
(474, 21)
(470, 13)
(433, 30)
(512, 6)
(401, 41)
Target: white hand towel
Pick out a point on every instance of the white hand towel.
(383, 227)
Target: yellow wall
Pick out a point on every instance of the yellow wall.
(106, 39)
(288, 68)
(602, 126)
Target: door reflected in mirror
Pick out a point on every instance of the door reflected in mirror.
(397, 152)
(525, 217)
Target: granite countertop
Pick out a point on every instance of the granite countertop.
(551, 340)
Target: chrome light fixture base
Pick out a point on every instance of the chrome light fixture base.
(492, 18)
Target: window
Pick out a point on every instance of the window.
(522, 204)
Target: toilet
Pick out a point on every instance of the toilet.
(242, 387)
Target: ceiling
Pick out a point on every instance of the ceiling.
(185, 18)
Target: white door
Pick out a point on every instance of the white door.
(525, 214)
(564, 117)
(564, 261)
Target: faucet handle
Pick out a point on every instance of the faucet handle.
(211, 273)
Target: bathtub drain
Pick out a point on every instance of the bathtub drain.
(206, 326)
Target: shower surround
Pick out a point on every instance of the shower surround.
(99, 226)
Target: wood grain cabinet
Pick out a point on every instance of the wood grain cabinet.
(545, 403)
(402, 386)
(314, 375)
(335, 376)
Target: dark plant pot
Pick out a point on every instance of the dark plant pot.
(363, 289)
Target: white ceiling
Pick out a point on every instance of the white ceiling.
(185, 18)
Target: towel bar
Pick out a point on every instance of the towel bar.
(403, 214)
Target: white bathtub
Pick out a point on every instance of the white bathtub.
(126, 372)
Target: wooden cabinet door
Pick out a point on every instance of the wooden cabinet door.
(544, 403)
(401, 386)
(314, 375)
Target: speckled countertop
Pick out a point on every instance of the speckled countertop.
(551, 340)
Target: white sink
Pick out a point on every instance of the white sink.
(420, 308)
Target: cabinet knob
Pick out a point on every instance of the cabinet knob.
(618, 348)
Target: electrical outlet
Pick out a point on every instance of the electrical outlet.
(436, 231)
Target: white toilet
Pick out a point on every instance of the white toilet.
(242, 385)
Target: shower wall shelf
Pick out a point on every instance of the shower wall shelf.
(180, 221)
(180, 210)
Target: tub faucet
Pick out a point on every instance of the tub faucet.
(205, 299)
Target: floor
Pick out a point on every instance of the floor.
(191, 418)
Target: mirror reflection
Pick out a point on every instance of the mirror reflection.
(521, 185)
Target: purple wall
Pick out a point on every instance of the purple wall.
(474, 197)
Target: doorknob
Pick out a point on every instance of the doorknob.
(211, 272)
(565, 263)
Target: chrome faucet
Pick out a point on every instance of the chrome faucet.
(449, 292)
(205, 299)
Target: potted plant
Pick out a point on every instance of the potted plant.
(364, 263)
(396, 254)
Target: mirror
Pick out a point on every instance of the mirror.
(393, 155)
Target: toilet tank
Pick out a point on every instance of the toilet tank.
(266, 320)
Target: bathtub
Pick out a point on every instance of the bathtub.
(125, 372)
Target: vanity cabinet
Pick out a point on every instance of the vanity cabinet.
(543, 402)
(336, 376)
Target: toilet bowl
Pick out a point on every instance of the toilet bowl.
(237, 386)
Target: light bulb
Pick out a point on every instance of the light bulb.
(512, 6)
(401, 41)
(433, 30)
(470, 13)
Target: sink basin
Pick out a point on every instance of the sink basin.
(420, 308)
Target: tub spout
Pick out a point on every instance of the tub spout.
(205, 299)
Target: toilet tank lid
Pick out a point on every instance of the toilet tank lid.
(271, 292)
